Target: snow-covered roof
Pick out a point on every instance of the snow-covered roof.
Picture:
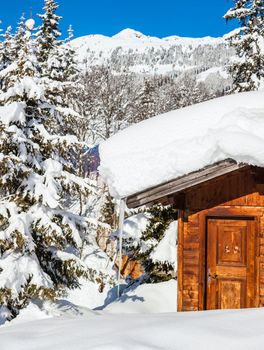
(174, 144)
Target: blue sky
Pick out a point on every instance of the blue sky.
(152, 17)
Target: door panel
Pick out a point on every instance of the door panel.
(231, 294)
(230, 263)
(231, 245)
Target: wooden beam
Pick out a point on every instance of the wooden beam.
(195, 178)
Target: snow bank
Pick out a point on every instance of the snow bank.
(179, 142)
(147, 298)
(236, 330)
(43, 310)
(31, 313)
(88, 295)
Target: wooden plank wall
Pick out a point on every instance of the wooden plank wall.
(236, 194)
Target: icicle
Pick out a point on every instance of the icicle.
(121, 226)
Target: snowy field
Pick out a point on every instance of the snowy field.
(236, 330)
(139, 320)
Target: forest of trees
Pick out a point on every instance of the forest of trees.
(111, 102)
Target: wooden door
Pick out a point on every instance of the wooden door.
(230, 263)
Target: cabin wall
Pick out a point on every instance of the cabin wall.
(233, 195)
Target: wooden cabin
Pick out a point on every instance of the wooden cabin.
(220, 205)
(220, 235)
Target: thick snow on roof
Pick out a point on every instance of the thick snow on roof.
(179, 142)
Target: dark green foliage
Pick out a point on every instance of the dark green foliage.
(108, 214)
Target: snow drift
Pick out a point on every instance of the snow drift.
(168, 146)
(236, 330)
(146, 298)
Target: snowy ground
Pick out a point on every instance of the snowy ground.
(236, 330)
(147, 298)
(147, 327)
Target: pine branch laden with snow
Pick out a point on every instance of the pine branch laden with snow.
(40, 236)
(247, 68)
(150, 238)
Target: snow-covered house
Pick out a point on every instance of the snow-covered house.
(208, 161)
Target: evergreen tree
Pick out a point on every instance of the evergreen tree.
(147, 102)
(1, 49)
(7, 48)
(108, 213)
(57, 70)
(6, 58)
(160, 218)
(71, 73)
(248, 69)
(49, 30)
(71, 68)
(40, 236)
(19, 37)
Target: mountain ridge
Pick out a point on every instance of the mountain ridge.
(133, 51)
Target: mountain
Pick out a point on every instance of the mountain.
(131, 50)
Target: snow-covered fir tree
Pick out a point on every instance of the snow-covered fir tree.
(147, 103)
(57, 65)
(7, 48)
(146, 247)
(248, 69)
(1, 48)
(49, 30)
(71, 69)
(71, 72)
(19, 37)
(40, 235)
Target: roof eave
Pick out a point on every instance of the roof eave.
(179, 184)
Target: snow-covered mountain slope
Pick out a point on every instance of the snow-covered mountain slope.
(134, 51)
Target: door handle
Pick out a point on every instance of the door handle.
(211, 276)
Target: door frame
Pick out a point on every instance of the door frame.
(226, 213)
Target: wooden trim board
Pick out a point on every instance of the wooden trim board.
(153, 194)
